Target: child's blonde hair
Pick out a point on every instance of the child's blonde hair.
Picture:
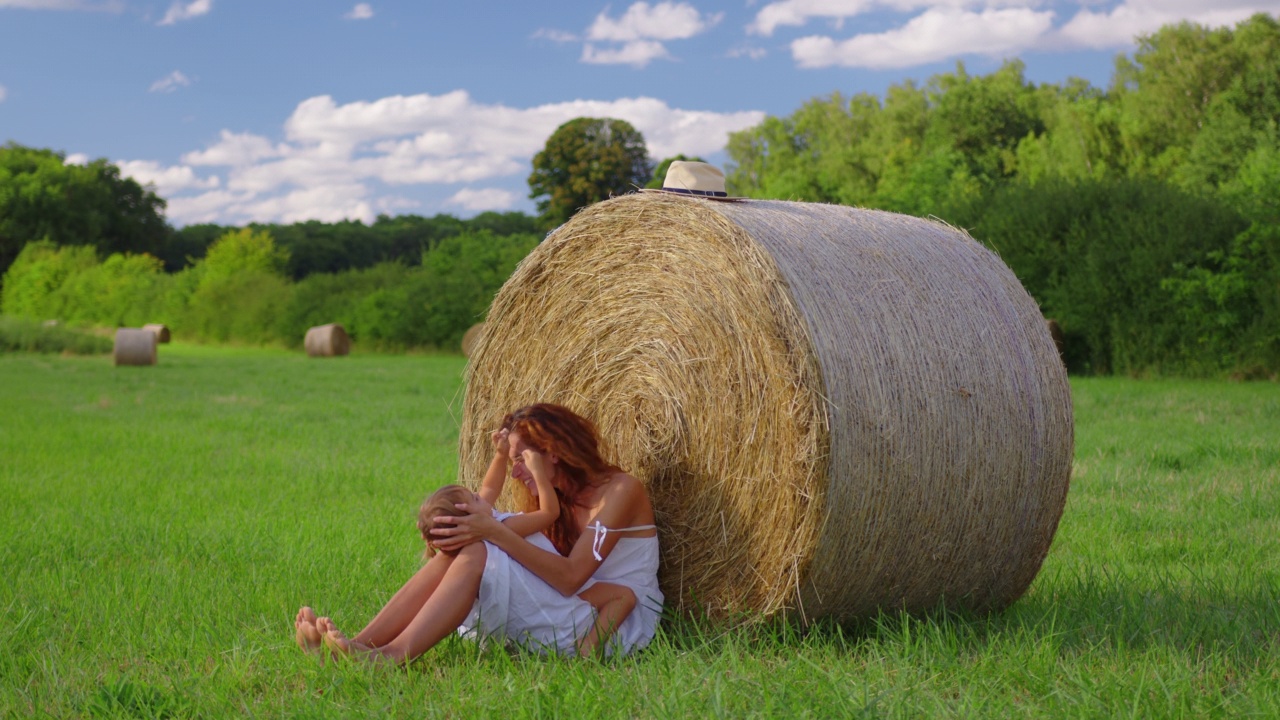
(438, 504)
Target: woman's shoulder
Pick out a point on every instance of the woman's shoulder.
(623, 490)
(622, 483)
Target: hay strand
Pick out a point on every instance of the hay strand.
(835, 410)
(134, 346)
(327, 341)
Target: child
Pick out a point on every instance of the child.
(612, 603)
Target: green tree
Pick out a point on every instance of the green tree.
(239, 289)
(587, 160)
(38, 272)
(41, 196)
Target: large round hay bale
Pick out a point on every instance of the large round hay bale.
(134, 346)
(835, 410)
(161, 332)
(471, 337)
(327, 341)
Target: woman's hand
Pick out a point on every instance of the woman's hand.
(478, 524)
(501, 442)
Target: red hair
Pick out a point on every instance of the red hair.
(557, 430)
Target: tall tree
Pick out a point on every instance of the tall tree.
(587, 160)
(43, 197)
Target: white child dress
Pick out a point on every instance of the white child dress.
(520, 609)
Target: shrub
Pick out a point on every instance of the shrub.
(1132, 269)
(37, 273)
(26, 335)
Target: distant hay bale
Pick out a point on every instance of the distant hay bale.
(161, 332)
(327, 341)
(471, 337)
(1055, 332)
(835, 410)
(134, 346)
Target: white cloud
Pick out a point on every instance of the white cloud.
(754, 53)
(799, 12)
(1117, 27)
(636, 53)
(76, 159)
(180, 11)
(362, 11)
(103, 6)
(167, 180)
(559, 36)
(3, 93)
(332, 155)
(931, 36)
(663, 21)
(233, 149)
(641, 31)
(483, 199)
(171, 82)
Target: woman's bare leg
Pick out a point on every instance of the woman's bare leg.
(441, 614)
(400, 610)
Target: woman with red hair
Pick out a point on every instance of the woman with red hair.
(587, 584)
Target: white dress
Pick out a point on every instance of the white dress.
(520, 609)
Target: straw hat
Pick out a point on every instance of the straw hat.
(700, 179)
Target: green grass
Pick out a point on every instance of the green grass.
(160, 526)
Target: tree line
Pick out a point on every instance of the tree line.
(1143, 217)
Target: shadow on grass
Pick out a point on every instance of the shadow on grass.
(1097, 613)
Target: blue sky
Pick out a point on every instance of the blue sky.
(284, 111)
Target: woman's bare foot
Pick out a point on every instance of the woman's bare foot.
(339, 644)
(308, 637)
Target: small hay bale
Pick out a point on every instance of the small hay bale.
(835, 410)
(471, 338)
(161, 331)
(1055, 332)
(134, 346)
(327, 341)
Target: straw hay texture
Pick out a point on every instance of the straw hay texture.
(161, 332)
(327, 341)
(134, 346)
(835, 410)
(471, 337)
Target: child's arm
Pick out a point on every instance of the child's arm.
(548, 510)
(491, 486)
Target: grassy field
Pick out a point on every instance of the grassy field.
(160, 526)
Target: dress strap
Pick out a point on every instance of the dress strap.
(602, 531)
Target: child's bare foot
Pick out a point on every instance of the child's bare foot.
(308, 637)
(338, 643)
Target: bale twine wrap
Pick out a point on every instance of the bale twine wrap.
(327, 341)
(835, 410)
(161, 332)
(471, 338)
(134, 346)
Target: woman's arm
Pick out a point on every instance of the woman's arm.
(623, 498)
(548, 510)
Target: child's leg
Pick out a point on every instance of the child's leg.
(400, 610)
(613, 603)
